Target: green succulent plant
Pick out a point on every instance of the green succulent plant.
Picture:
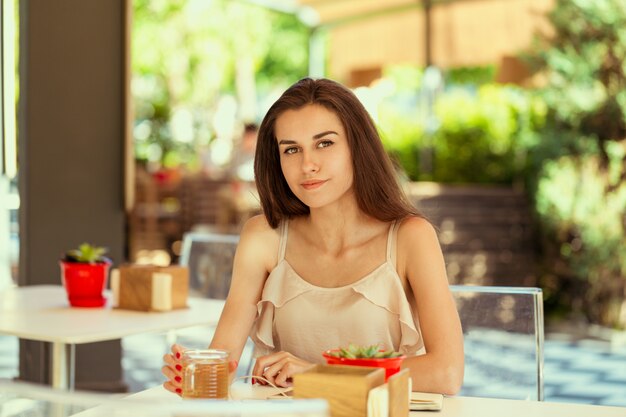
(363, 352)
(87, 253)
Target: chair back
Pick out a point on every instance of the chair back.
(503, 338)
(209, 257)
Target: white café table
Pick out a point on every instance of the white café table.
(42, 313)
(452, 406)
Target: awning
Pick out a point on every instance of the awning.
(329, 13)
(365, 35)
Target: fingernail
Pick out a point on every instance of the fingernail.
(179, 368)
(178, 390)
(177, 355)
(178, 379)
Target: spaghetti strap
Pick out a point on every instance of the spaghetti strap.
(390, 251)
(284, 226)
(392, 241)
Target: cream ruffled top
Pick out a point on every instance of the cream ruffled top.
(305, 320)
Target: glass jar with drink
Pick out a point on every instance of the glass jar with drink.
(205, 374)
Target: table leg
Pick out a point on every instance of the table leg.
(60, 378)
(72, 368)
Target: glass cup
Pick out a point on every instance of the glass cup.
(205, 374)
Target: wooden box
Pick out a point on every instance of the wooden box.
(346, 388)
(150, 288)
(399, 387)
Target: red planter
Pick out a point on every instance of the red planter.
(85, 282)
(390, 365)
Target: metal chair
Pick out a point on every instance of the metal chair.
(209, 257)
(503, 339)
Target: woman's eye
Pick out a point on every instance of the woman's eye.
(291, 150)
(325, 143)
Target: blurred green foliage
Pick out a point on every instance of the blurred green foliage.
(577, 172)
(471, 75)
(185, 56)
(584, 250)
(482, 134)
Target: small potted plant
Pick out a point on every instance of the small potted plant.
(84, 272)
(373, 356)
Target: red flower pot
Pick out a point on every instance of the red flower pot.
(390, 365)
(85, 282)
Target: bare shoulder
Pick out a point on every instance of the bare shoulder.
(416, 230)
(419, 252)
(260, 241)
(256, 225)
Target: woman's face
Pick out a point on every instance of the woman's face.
(314, 155)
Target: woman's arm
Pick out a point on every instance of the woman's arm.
(420, 260)
(256, 255)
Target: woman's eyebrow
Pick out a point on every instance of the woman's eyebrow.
(316, 136)
(320, 135)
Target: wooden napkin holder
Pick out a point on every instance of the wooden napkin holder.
(150, 287)
(347, 388)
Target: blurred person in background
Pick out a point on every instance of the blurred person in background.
(241, 165)
(239, 199)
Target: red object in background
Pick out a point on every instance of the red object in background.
(85, 282)
(390, 365)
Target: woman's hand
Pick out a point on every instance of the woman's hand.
(279, 368)
(173, 369)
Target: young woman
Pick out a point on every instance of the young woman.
(339, 255)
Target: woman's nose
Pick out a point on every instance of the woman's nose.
(309, 163)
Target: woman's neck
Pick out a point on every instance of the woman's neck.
(337, 227)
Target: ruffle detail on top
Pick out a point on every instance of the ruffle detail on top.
(280, 287)
(395, 302)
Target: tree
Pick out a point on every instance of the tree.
(580, 189)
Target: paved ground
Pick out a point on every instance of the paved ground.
(580, 371)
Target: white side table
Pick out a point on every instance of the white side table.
(42, 313)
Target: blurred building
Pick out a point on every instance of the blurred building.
(358, 38)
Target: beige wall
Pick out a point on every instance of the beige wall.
(464, 33)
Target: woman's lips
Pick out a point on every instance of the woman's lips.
(312, 185)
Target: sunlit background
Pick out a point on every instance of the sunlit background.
(524, 98)
(506, 118)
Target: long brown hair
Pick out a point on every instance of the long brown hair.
(376, 187)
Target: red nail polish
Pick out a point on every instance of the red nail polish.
(177, 355)
(178, 390)
(178, 379)
(253, 381)
(179, 368)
